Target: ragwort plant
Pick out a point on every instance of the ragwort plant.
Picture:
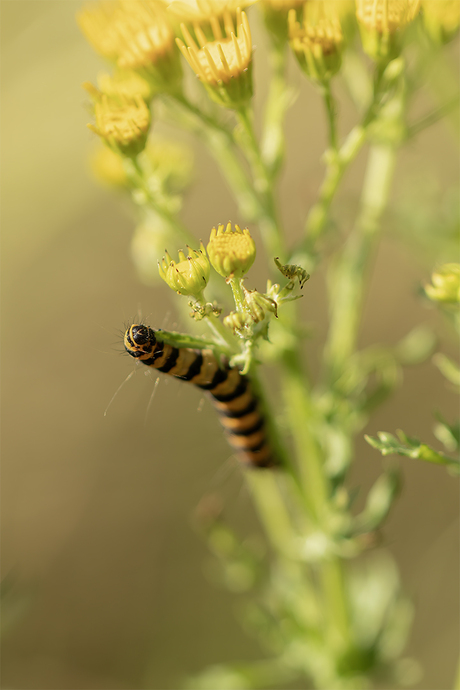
(318, 618)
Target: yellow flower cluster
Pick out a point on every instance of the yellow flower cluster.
(222, 64)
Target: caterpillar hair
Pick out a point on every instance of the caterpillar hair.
(232, 394)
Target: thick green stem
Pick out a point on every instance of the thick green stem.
(349, 279)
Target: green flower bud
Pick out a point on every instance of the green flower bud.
(231, 252)
(188, 277)
(445, 286)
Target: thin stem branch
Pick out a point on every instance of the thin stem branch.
(263, 186)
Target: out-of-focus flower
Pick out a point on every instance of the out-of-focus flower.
(190, 275)
(201, 10)
(445, 287)
(276, 16)
(136, 35)
(381, 22)
(441, 19)
(126, 83)
(231, 252)
(318, 41)
(107, 166)
(123, 123)
(224, 64)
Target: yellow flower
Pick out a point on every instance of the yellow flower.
(222, 65)
(380, 21)
(190, 275)
(275, 14)
(318, 41)
(126, 83)
(445, 286)
(108, 167)
(231, 252)
(441, 19)
(122, 123)
(136, 35)
(200, 10)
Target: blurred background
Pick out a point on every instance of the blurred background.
(106, 581)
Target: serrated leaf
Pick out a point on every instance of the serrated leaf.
(409, 447)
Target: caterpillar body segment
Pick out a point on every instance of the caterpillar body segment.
(236, 403)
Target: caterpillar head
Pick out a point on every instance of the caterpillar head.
(139, 341)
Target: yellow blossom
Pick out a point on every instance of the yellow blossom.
(318, 41)
(445, 287)
(441, 19)
(125, 82)
(107, 166)
(136, 35)
(231, 252)
(122, 123)
(190, 275)
(222, 65)
(380, 21)
(201, 10)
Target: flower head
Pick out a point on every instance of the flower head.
(318, 41)
(231, 252)
(445, 286)
(126, 83)
(441, 19)
(136, 35)
(122, 122)
(275, 13)
(380, 21)
(190, 275)
(201, 10)
(222, 65)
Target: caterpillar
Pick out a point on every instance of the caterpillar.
(232, 393)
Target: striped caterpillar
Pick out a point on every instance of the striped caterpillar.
(237, 405)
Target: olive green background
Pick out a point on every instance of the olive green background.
(107, 575)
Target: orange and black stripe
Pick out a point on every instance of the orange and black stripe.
(237, 405)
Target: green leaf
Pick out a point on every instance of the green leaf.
(388, 444)
(448, 368)
(379, 501)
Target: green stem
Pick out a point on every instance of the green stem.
(278, 101)
(347, 285)
(337, 164)
(263, 186)
(238, 295)
(137, 177)
(338, 160)
(431, 118)
(316, 489)
(221, 145)
(331, 112)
